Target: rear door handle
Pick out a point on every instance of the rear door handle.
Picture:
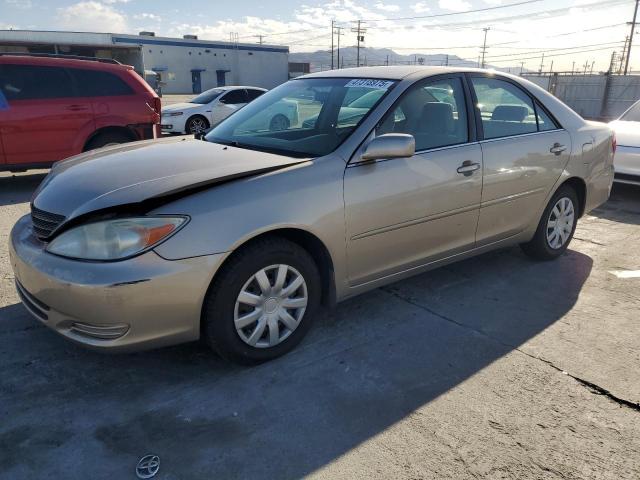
(468, 167)
(557, 148)
(77, 108)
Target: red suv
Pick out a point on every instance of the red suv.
(52, 107)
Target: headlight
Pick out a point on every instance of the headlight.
(114, 239)
(172, 114)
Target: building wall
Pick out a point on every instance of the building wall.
(174, 58)
(255, 65)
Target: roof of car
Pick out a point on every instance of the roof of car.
(238, 87)
(61, 60)
(389, 72)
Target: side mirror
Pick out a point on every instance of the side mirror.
(390, 145)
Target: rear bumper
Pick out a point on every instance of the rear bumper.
(140, 303)
(627, 164)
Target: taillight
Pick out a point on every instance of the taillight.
(614, 143)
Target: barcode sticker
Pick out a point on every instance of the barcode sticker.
(369, 83)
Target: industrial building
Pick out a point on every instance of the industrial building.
(182, 65)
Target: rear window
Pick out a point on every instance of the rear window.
(31, 82)
(95, 83)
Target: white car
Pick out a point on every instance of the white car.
(207, 109)
(627, 158)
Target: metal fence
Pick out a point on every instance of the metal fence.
(600, 97)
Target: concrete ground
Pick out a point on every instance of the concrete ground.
(494, 368)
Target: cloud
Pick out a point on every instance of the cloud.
(454, 5)
(92, 16)
(420, 7)
(21, 4)
(148, 16)
(387, 7)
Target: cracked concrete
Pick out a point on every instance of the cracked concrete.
(496, 367)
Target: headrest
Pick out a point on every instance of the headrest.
(437, 117)
(510, 113)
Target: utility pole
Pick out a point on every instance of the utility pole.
(339, 34)
(333, 29)
(592, 64)
(586, 65)
(484, 44)
(541, 64)
(551, 67)
(633, 27)
(359, 31)
(573, 67)
(260, 39)
(521, 68)
(446, 61)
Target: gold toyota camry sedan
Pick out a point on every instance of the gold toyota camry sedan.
(239, 236)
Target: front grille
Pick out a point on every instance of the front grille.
(44, 223)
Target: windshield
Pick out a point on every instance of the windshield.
(633, 114)
(300, 118)
(206, 97)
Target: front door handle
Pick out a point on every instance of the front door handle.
(77, 108)
(468, 167)
(557, 148)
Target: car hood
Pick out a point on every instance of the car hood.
(627, 133)
(180, 107)
(146, 172)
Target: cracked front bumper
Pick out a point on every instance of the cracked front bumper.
(140, 303)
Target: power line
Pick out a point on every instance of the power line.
(551, 55)
(486, 9)
(545, 50)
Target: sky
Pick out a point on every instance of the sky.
(573, 33)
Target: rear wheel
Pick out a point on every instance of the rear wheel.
(556, 227)
(107, 140)
(197, 124)
(263, 301)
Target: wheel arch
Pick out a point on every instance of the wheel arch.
(580, 187)
(308, 241)
(107, 130)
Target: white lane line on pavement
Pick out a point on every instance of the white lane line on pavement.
(625, 273)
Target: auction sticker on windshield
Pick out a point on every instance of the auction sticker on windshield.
(369, 83)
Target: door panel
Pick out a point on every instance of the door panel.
(405, 212)
(519, 172)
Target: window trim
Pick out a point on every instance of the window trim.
(534, 100)
(471, 125)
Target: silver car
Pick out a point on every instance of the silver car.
(627, 160)
(240, 237)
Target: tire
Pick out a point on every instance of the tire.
(549, 243)
(278, 123)
(107, 139)
(196, 124)
(246, 343)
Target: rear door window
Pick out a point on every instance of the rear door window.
(95, 83)
(545, 122)
(234, 97)
(253, 94)
(505, 109)
(30, 82)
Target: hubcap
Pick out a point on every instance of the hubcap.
(197, 125)
(270, 306)
(560, 223)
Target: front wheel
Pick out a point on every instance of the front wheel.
(556, 227)
(262, 302)
(279, 122)
(196, 124)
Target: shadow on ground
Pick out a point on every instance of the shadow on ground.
(19, 188)
(76, 414)
(623, 205)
